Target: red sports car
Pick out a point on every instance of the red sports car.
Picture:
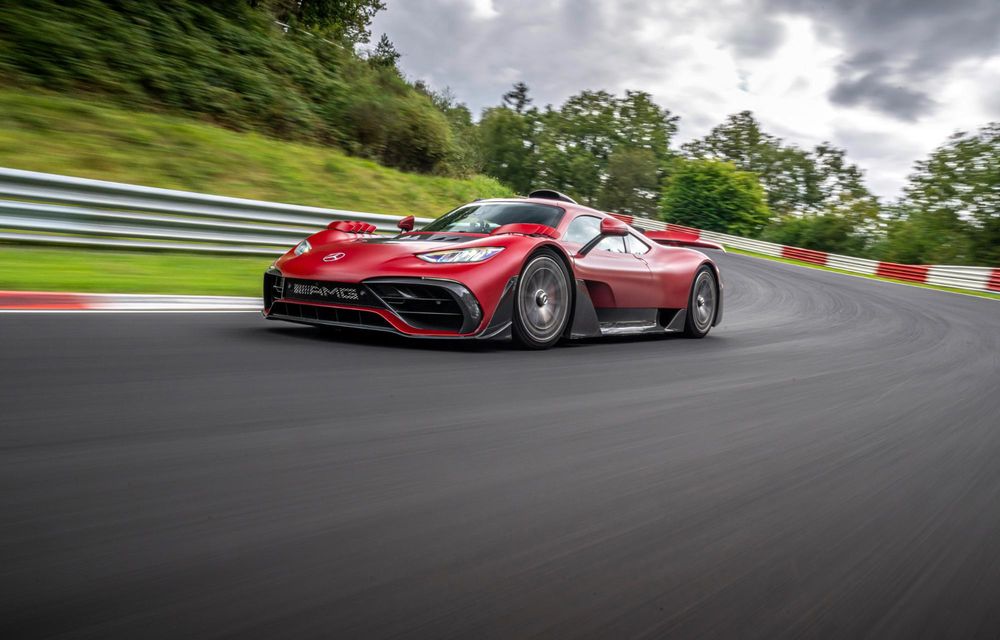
(535, 269)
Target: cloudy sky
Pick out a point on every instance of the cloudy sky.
(888, 80)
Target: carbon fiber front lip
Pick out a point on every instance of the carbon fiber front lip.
(329, 323)
(392, 330)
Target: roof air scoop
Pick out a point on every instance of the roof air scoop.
(549, 194)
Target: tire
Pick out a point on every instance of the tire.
(703, 303)
(542, 302)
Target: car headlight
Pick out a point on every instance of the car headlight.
(302, 247)
(472, 254)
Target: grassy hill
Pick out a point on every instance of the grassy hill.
(56, 134)
(89, 139)
(228, 63)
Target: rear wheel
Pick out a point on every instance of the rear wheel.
(542, 303)
(702, 304)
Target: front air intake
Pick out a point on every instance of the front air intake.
(273, 283)
(424, 306)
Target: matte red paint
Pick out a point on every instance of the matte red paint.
(688, 230)
(682, 239)
(613, 227)
(527, 230)
(659, 278)
(617, 279)
(352, 226)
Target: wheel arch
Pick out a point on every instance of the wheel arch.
(558, 250)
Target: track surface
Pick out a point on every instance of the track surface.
(825, 464)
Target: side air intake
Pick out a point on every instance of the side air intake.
(549, 194)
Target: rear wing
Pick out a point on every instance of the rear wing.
(682, 239)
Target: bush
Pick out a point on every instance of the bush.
(227, 63)
(828, 232)
(715, 196)
(925, 238)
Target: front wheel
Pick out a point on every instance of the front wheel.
(542, 303)
(702, 304)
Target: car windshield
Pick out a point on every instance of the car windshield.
(484, 217)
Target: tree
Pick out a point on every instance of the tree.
(796, 181)
(575, 143)
(517, 97)
(418, 138)
(954, 197)
(508, 144)
(714, 195)
(466, 156)
(785, 172)
(344, 19)
(632, 183)
(571, 148)
(739, 140)
(840, 186)
(384, 54)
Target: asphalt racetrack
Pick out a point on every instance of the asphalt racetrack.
(825, 464)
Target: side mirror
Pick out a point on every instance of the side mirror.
(613, 227)
(609, 227)
(406, 224)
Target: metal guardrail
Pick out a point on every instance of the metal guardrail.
(52, 209)
(45, 208)
(957, 277)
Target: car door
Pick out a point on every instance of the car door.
(615, 277)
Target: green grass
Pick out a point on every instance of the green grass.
(754, 254)
(56, 134)
(99, 271)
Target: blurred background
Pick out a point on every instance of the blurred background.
(303, 102)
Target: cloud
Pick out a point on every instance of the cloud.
(874, 87)
(898, 50)
(812, 70)
(763, 39)
(891, 153)
(483, 9)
